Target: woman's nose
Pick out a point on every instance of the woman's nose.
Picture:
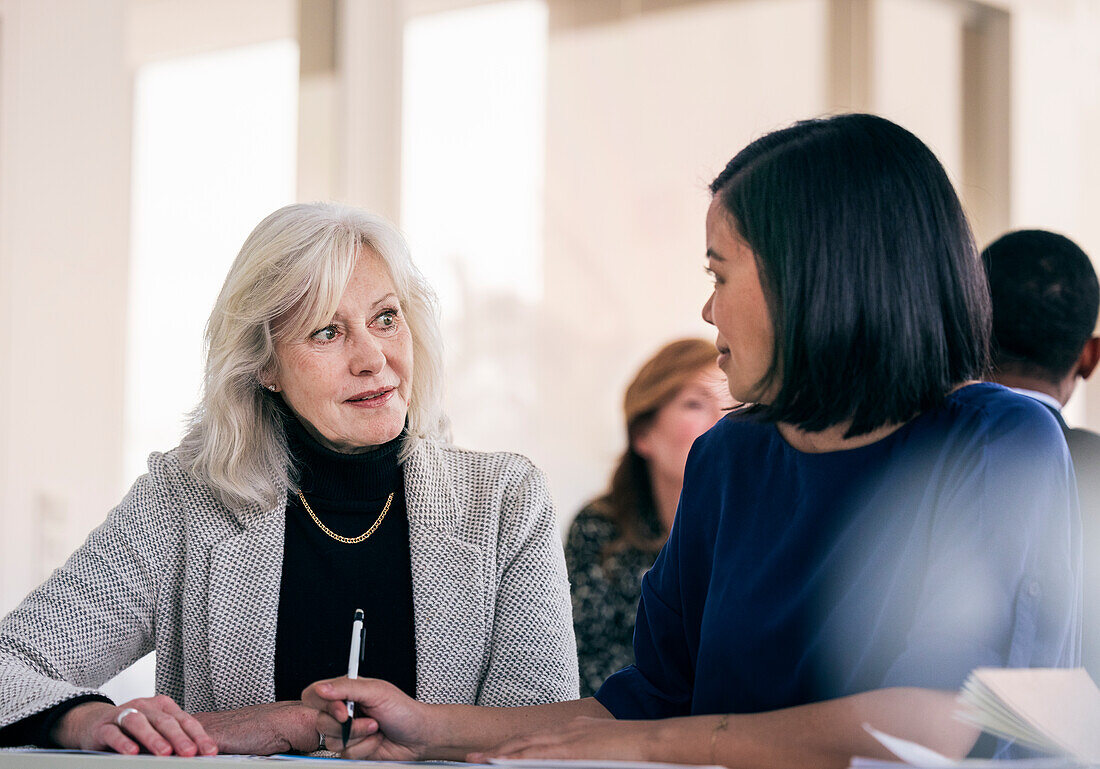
(366, 355)
(707, 315)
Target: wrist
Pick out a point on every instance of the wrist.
(717, 737)
(68, 729)
(658, 740)
(304, 718)
(446, 733)
(301, 726)
(436, 733)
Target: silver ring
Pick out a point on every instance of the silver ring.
(123, 714)
(321, 741)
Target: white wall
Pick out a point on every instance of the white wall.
(66, 80)
(64, 199)
(642, 113)
(1055, 166)
(914, 88)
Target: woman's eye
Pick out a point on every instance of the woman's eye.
(387, 321)
(713, 276)
(327, 334)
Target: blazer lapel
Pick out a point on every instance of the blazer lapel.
(245, 575)
(451, 607)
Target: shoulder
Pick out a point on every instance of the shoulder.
(431, 460)
(487, 494)
(999, 460)
(166, 472)
(992, 403)
(590, 518)
(736, 445)
(167, 494)
(590, 527)
(737, 431)
(993, 415)
(1084, 445)
(163, 508)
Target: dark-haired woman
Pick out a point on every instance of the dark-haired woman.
(847, 550)
(673, 399)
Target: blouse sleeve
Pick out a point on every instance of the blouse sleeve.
(1003, 582)
(591, 592)
(659, 683)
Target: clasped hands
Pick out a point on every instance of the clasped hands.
(393, 727)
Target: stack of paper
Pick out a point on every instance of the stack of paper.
(910, 754)
(1053, 710)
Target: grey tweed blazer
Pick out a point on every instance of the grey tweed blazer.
(171, 569)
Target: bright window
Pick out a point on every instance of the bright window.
(214, 152)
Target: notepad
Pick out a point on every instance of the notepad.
(1053, 710)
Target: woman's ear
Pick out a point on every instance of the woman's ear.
(640, 442)
(266, 379)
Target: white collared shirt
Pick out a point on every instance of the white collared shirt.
(1041, 397)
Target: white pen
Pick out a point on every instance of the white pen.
(355, 654)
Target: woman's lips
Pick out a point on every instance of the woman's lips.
(372, 400)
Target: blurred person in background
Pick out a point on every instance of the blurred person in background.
(1045, 304)
(315, 479)
(851, 546)
(676, 396)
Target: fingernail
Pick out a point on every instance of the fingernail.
(163, 747)
(324, 688)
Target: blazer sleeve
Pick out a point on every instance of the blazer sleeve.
(533, 653)
(93, 617)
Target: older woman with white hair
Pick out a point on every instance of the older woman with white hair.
(315, 479)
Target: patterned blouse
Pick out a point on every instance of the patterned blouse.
(606, 591)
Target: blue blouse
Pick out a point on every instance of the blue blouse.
(791, 578)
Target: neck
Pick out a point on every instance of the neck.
(1060, 391)
(831, 438)
(666, 496)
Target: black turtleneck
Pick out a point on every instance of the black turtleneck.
(325, 581)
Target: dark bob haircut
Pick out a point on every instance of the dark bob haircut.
(1045, 302)
(876, 293)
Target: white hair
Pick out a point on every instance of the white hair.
(289, 277)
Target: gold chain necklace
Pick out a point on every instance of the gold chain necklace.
(337, 537)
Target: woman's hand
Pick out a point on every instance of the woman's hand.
(156, 724)
(394, 727)
(261, 730)
(583, 737)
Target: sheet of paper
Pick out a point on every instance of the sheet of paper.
(581, 763)
(858, 762)
(1055, 710)
(912, 754)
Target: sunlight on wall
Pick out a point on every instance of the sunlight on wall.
(473, 145)
(214, 152)
(472, 206)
